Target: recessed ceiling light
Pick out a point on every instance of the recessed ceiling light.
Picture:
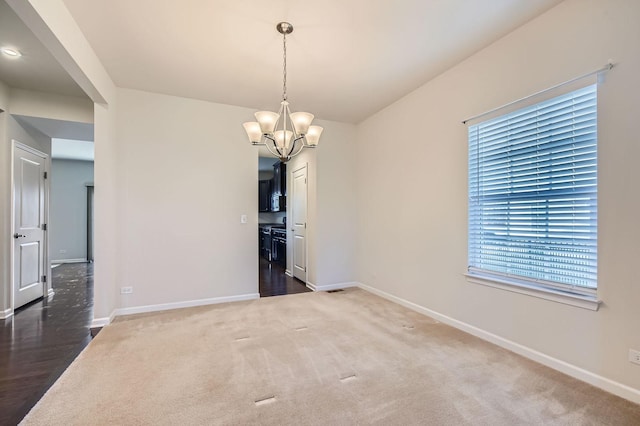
(14, 53)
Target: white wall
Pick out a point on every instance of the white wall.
(331, 212)
(4, 96)
(68, 209)
(28, 136)
(5, 260)
(186, 176)
(107, 179)
(336, 204)
(418, 178)
(48, 105)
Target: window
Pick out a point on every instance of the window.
(533, 195)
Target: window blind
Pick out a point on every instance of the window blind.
(533, 193)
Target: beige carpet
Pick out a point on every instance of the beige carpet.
(315, 358)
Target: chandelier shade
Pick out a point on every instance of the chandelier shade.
(301, 121)
(314, 135)
(267, 121)
(253, 131)
(283, 133)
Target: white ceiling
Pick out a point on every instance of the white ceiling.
(69, 140)
(59, 128)
(347, 59)
(36, 69)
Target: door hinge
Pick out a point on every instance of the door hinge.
(44, 226)
(45, 175)
(44, 278)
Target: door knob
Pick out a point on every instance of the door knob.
(16, 235)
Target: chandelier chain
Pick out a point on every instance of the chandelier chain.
(284, 72)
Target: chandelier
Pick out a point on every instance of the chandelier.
(284, 133)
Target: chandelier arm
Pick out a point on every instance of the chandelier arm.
(277, 153)
(293, 146)
(302, 146)
(272, 144)
(295, 139)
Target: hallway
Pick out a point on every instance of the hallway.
(40, 341)
(274, 282)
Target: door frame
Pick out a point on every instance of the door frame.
(46, 267)
(90, 215)
(290, 234)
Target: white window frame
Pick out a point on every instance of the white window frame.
(563, 293)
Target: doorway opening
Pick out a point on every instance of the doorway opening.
(274, 236)
(52, 167)
(30, 194)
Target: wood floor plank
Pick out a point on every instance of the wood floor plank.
(40, 341)
(274, 281)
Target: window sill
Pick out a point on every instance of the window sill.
(579, 300)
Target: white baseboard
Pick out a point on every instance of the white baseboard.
(288, 272)
(102, 322)
(596, 380)
(6, 314)
(69, 261)
(328, 287)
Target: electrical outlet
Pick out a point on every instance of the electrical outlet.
(63, 251)
(243, 218)
(126, 290)
(634, 356)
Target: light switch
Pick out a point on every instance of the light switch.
(243, 218)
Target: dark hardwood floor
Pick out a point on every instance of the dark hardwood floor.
(274, 282)
(40, 341)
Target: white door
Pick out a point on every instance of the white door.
(299, 216)
(29, 215)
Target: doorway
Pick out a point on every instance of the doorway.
(29, 211)
(273, 233)
(299, 223)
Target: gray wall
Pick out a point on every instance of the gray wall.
(68, 217)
